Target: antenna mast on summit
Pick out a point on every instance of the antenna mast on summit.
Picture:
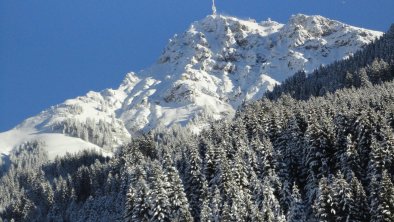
(213, 7)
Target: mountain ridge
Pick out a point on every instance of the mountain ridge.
(203, 74)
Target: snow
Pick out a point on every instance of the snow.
(59, 144)
(55, 144)
(203, 74)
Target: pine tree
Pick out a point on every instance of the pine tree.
(229, 213)
(140, 202)
(379, 70)
(324, 203)
(296, 211)
(159, 206)
(377, 156)
(364, 132)
(342, 198)
(382, 199)
(349, 159)
(268, 165)
(359, 210)
(215, 205)
(205, 210)
(316, 157)
(270, 205)
(349, 81)
(209, 165)
(290, 147)
(179, 206)
(194, 180)
(286, 196)
(364, 79)
(223, 177)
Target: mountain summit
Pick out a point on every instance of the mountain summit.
(203, 74)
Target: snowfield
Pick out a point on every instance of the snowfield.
(56, 144)
(204, 74)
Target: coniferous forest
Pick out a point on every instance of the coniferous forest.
(318, 148)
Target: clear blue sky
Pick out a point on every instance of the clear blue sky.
(52, 50)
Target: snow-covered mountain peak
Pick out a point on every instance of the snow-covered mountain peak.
(204, 73)
(129, 81)
(312, 22)
(302, 28)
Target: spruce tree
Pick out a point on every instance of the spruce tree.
(382, 199)
(324, 203)
(342, 198)
(358, 211)
(215, 205)
(296, 211)
(178, 203)
(194, 180)
(140, 202)
(159, 206)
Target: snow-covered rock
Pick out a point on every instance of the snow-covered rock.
(203, 74)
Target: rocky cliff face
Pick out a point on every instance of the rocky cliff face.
(203, 74)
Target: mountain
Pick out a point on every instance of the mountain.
(325, 159)
(204, 74)
(372, 65)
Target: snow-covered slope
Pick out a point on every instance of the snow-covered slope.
(203, 74)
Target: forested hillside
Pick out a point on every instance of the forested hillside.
(327, 158)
